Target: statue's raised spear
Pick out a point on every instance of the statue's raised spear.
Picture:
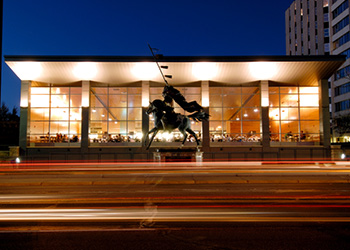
(160, 67)
(170, 93)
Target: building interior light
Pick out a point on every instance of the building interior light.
(204, 70)
(85, 70)
(263, 70)
(145, 71)
(28, 70)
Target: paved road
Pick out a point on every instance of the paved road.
(175, 192)
(175, 206)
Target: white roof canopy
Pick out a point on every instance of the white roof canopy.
(306, 70)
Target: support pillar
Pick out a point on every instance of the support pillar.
(23, 127)
(325, 128)
(145, 117)
(85, 113)
(205, 124)
(265, 128)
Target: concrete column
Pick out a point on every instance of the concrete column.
(205, 124)
(145, 117)
(24, 116)
(265, 129)
(325, 137)
(85, 115)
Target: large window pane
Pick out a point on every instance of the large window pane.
(274, 100)
(309, 101)
(60, 90)
(252, 127)
(60, 114)
(134, 114)
(40, 90)
(99, 90)
(231, 114)
(75, 100)
(289, 90)
(250, 90)
(99, 114)
(75, 128)
(59, 101)
(98, 101)
(289, 114)
(134, 101)
(134, 127)
(118, 101)
(58, 127)
(233, 127)
(289, 100)
(40, 101)
(215, 101)
(310, 126)
(251, 101)
(118, 128)
(117, 91)
(75, 114)
(40, 128)
(308, 90)
(251, 114)
(274, 113)
(309, 114)
(39, 114)
(118, 113)
(289, 126)
(231, 100)
(215, 113)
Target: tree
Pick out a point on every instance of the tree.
(6, 115)
(342, 124)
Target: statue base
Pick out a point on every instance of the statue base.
(178, 155)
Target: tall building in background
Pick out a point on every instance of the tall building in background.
(321, 27)
(307, 28)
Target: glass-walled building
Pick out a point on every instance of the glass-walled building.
(94, 108)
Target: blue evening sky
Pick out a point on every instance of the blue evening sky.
(111, 27)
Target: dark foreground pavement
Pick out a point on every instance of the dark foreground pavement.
(219, 236)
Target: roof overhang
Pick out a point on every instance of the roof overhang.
(305, 70)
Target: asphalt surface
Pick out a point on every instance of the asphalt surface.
(175, 206)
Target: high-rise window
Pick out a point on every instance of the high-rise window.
(340, 9)
(342, 24)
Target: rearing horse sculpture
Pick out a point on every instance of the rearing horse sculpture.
(167, 120)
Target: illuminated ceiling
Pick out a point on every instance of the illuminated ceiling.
(306, 70)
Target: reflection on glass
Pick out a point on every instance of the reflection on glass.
(309, 100)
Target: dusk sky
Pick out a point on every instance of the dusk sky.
(111, 27)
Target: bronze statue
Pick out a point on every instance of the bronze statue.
(167, 120)
(163, 112)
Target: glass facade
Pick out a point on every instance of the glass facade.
(235, 114)
(294, 114)
(55, 116)
(115, 115)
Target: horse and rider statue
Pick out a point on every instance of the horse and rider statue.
(167, 120)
